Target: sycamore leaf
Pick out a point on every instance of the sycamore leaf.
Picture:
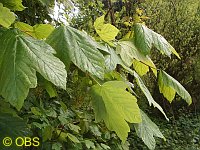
(25, 28)
(89, 144)
(129, 52)
(145, 38)
(140, 68)
(74, 45)
(6, 17)
(15, 5)
(147, 130)
(114, 105)
(169, 86)
(39, 31)
(107, 32)
(99, 22)
(42, 30)
(20, 58)
(112, 59)
(148, 94)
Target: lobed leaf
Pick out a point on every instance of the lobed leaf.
(115, 106)
(75, 46)
(6, 16)
(147, 130)
(107, 32)
(20, 58)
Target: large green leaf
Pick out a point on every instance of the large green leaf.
(76, 46)
(12, 127)
(6, 17)
(145, 38)
(169, 86)
(114, 105)
(147, 130)
(148, 94)
(20, 58)
(15, 5)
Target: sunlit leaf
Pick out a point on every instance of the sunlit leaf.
(114, 105)
(107, 32)
(6, 17)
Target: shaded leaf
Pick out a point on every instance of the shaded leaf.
(15, 5)
(148, 94)
(169, 86)
(12, 127)
(89, 144)
(145, 38)
(129, 52)
(112, 59)
(47, 133)
(147, 130)
(113, 104)
(77, 47)
(19, 61)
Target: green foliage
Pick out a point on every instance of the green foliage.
(169, 86)
(77, 47)
(39, 31)
(19, 62)
(107, 32)
(115, 106)
(64, 118)
(6, 17)
(146, 38)
(15, 5)
(147, 130)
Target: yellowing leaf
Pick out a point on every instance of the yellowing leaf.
(99, 22)
(25, 28)
(114, 105)
(148, 94)
(6, 17)
(169, 86)
(107, 32)
(129, 52)
(42, 30)
(39, 31)
(140, 68)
